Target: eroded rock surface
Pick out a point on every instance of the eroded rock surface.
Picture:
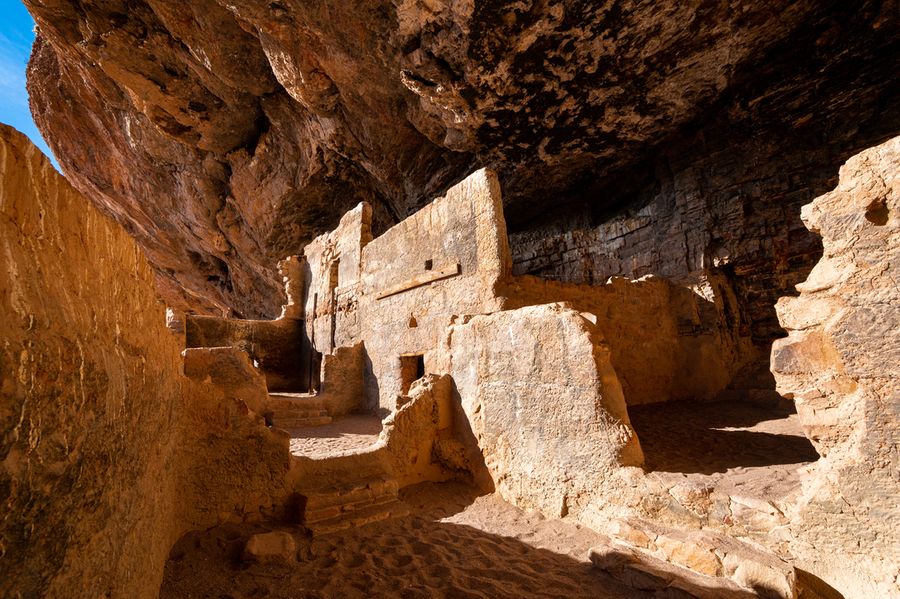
(107, 453)
(839, 363)
(225, 135)
(88, 403)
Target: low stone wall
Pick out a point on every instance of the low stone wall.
(840, 365)
(277, 346)
(665, 342)
(232, 467)
(420, 442)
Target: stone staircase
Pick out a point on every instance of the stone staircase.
(352, 504)
(293, 410)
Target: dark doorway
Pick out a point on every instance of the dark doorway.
(412, 368)
(333, 282)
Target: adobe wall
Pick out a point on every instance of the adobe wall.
(668, 341)
(276, 345)
(344, 243)
(462, 234)
(840, 365)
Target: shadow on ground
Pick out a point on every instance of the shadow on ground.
(711, 437)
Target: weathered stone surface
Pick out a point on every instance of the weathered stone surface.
(644, 571)
(274, 345)
(343, 380)
(89, 394)
(348, 270)
(544, 403)
(665, 340)
(225, 135)
(712, 555)
(230, 369)
(107, 453)
(839, 363)
(664, 343)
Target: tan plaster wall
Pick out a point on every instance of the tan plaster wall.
(343, 378)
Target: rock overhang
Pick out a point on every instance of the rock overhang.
(247, 130)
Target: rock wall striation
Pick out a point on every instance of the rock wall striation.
(90, 400)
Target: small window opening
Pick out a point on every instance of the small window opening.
(429, 264)
(412, 368)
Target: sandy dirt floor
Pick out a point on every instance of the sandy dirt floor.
(738, 448)
(454, 544)
(355, 431)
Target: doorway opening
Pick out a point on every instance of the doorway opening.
(333, 282)
(412, 368)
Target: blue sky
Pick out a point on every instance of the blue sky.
(16, 37)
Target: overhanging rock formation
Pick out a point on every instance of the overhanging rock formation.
(662, 138)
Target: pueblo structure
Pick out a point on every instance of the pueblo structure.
(589, 301)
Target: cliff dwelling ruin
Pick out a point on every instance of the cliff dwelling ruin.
(449, 299)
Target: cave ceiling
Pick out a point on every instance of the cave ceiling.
(225, 135)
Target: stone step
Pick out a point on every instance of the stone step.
(641, 571)
(359, 517)
(288, 402)
(305, 413)
(325, 513)
(724, 560)
(363, 491)
(352, 503)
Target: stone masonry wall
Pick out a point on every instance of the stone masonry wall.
(277, 346)
(462, 234)
(464, 228)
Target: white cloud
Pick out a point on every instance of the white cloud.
(13, 60)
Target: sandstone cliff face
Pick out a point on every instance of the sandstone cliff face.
(88, 405)
(226, 135)
(107, 453)
(839, 363)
